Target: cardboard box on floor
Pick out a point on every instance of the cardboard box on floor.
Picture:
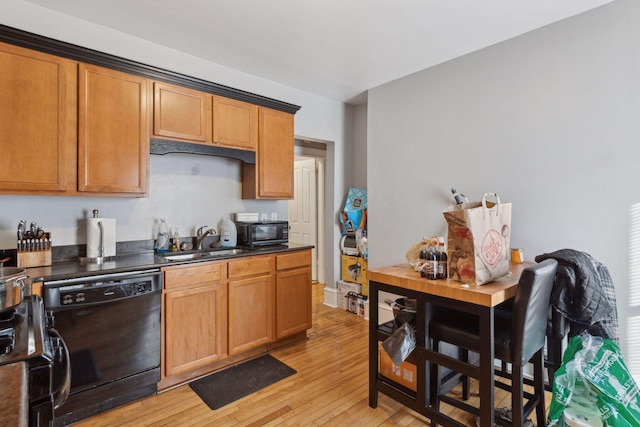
(405, 374)
(354, 269)
(343, 289)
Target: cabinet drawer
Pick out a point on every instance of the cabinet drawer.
(185, 275)
(293, 260)
(250, 266)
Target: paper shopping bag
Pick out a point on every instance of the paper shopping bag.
(478, 240)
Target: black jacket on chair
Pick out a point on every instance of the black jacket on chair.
(583, 293)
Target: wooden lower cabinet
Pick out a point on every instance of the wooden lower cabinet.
(293, 293)
(223, 312)
(194, 317)
(251, 302)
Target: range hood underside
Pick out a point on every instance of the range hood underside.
(163, 146)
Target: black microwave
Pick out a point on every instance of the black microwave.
(263, 233)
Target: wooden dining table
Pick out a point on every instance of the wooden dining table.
(432, 295)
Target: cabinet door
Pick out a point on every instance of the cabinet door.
(235, 123)
(272, 175)
(181, 113)
(113, 134)
(251, 304)
(293, 301)
(195, 324)
(35, 105)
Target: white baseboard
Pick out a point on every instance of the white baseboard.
(385, 312)
(331, 297)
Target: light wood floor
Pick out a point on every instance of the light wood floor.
(329, 389)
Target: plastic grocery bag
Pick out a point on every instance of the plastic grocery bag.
(400, 344)
(593, 386)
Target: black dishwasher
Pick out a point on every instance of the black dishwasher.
(111, 324)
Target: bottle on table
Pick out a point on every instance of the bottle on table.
(443, 265)
(423, 255)
(431, 268)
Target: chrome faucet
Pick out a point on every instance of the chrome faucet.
(200, 235)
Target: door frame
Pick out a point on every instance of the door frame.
(317, 150)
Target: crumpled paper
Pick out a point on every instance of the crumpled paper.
(413, 257)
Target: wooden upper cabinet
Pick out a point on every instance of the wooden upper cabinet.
(189, 115)
(36, 122)
(113, 132)
(180, 113)
(235, 123)
(272, 175)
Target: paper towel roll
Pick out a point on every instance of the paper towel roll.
(93, 237)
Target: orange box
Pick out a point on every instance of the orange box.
(405, 374)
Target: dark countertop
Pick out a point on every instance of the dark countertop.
(136, 262)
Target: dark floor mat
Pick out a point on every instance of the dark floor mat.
(224, 387)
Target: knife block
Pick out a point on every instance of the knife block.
(37, 256)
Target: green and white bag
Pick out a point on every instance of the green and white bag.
(593, 386)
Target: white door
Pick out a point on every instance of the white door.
(303, 211)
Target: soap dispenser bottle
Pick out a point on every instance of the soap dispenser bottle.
(162, 238)
(228, 234)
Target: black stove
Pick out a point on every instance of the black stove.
(22, 332)
(7, 332)
(26, 335)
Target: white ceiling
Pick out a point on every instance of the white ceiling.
(335, 48)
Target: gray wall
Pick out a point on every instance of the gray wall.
(360, 147)
(548, 120)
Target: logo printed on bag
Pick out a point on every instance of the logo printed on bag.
(491, 249)
(462, 232)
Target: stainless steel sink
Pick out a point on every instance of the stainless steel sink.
(224, 252)
(204, 255)
(183, 257)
